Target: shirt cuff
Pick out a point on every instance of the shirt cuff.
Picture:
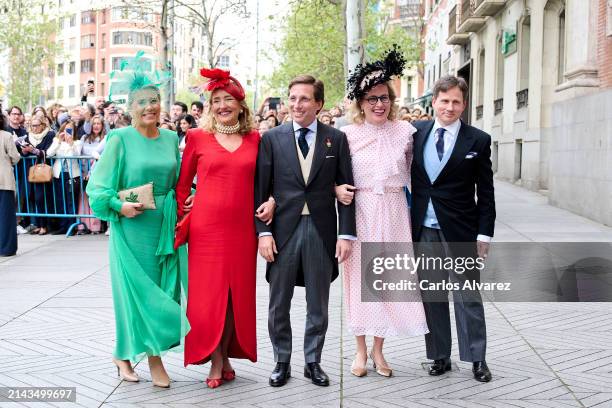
(348, 237)
(483, 238)
(265, 234)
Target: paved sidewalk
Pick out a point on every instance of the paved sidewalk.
(56, 329)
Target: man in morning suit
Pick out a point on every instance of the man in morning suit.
(299, 163)
(453, 213)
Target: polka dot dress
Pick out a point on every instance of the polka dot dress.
(381, 157)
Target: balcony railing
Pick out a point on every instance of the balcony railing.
(522, 98)
(488, 7)
(469, 22)
(479, 111)
(498, 105)
(455, 38)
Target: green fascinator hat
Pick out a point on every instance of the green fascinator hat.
(135, 74)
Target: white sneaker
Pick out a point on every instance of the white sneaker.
(21, 230)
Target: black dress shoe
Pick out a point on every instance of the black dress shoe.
(316, 374)
(280, 375)
(481, 371)
(439, 367)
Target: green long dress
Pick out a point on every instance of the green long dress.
(149, 279)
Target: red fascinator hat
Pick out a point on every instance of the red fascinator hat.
(220, 79)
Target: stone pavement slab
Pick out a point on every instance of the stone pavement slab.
(57, 329)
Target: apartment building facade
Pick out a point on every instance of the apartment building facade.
(540, 84)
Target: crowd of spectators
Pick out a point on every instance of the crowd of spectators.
(62, 132)
(268, 117)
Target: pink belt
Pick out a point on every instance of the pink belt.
(387, 189)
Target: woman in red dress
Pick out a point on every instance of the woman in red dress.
(222, 241)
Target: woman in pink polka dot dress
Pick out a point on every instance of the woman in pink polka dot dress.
(381, 153)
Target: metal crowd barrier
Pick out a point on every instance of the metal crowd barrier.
(61, 198)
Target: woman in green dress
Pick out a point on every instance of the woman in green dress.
(148, 276)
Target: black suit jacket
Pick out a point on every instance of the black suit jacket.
(279, 174)
(460, 215)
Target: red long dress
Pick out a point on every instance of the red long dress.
(222, 244)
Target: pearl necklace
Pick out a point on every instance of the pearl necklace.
(228, 130)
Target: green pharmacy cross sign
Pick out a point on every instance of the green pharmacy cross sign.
(508, 42)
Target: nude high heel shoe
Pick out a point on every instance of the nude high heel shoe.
(125, 375)
(357, 370)
(159, 376)
(383, 370)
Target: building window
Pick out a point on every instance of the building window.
(524, 53)
(60, 69)
(88, 17)
(72, 67)
(102, 89)
(481, 77)
(88, 41)
(609, 19)
(103, 65)
(73, 20)
(130, 13)
(71, 91)
(133, 38)
(103, 16)
(148, 66)
(50, 72)
(223, 61)
(72, 44)
(499, 68)
(88, 65)
(51, 94)
(561, 70)
(103, 42)
(119, 13)
(60, 92)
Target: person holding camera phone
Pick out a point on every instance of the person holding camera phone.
(66, 173)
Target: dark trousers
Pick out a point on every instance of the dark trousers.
(67, 195)
(8, 226)
(469, 311)
(304, 251)
(43, 204)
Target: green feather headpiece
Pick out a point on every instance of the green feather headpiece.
(134, 74)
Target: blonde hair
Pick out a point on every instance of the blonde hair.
(244, 118)
(356, 115)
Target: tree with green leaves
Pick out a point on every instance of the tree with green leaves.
(28, 36)
(314, 42)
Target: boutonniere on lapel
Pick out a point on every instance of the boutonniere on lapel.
(328, 143)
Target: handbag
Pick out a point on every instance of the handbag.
(40, 172)
(140, 194)
(181, 235)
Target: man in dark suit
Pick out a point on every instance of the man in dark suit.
(452, 166)
(299, 163)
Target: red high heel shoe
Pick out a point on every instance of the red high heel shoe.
(214, 382)
(228, 375)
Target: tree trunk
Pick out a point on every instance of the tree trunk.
(355, 12)
(165, 54)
